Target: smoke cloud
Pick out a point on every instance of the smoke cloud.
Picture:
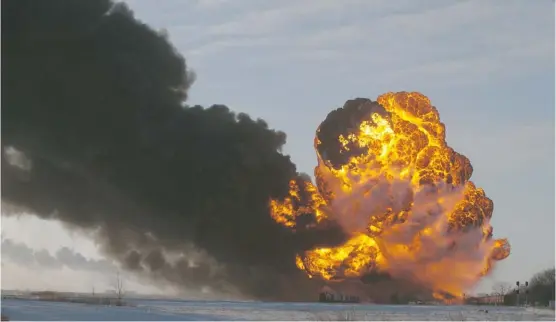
(95, 133)
(388, 177)
(26, 256)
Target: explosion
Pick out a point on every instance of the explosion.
(180, 194)
(386, 175)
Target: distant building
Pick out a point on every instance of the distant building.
(487, 299)
(45, 295)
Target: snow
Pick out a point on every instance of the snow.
(164, 310)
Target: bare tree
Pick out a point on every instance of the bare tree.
(501, 288)
(119, 288)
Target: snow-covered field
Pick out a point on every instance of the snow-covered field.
(163, 310)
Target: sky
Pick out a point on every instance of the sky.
(488, 67)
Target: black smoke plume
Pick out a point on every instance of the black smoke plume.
(344, 121)
(94, 100)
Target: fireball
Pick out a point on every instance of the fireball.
(386, 175)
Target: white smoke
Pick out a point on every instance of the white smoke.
(421, 248)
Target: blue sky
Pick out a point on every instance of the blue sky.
(488, 66)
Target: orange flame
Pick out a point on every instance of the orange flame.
(406, 201)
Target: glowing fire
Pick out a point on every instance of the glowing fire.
(403, 195)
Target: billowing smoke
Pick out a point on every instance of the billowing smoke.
(95, 133)
(387, 176)
(41, 259)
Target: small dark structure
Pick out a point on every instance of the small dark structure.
(328, 295)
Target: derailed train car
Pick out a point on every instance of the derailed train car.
(328, 295)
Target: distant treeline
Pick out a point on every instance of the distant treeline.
(539, 292)
(59, 297)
